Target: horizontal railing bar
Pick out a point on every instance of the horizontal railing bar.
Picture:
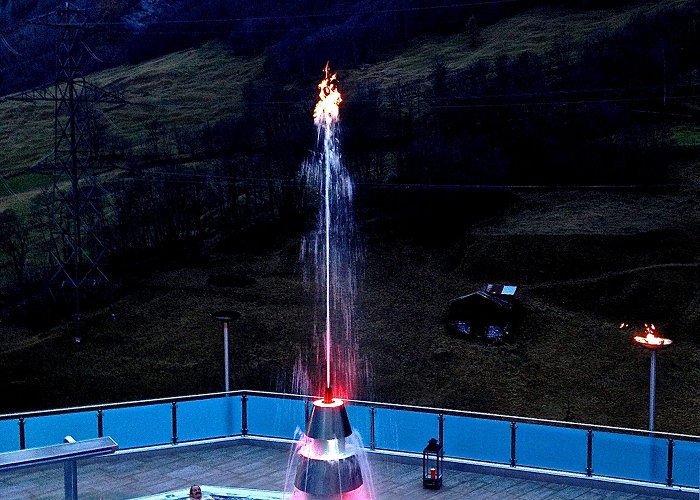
(124, 404)
(492, 416)
(526, 420)
(393, 406)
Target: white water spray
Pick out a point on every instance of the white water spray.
(332, 255)
(329, 461)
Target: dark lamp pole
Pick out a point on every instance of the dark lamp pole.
(226, 317)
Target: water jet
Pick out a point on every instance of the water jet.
(330, 459)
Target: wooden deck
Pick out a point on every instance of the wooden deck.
(251, 464)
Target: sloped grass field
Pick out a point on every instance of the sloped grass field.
(535, 30)
(191, 87)
(205, 84)
(569, 360)
(188, 88)
(584, 261)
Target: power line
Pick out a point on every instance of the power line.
(74, 210)
(149, 175)
(8, 46)
(419, 98)
(559, 102)
(588, 90)
(203, 178)
(290, 183)
(319, 14)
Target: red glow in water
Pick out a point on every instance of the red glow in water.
(335, 403)
(360, 493)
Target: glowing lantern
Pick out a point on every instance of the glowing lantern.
(433, 456)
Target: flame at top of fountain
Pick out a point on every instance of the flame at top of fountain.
(329, 99)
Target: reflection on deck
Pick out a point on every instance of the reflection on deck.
(262, 465)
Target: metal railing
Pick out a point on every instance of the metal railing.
(549, 445)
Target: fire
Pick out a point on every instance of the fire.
(650, 340)
(327, 107)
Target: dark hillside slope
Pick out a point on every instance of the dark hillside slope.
(206, 208)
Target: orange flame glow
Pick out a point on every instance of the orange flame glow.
(650, 340)
(327, 107)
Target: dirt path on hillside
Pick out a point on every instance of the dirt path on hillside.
(613, 274)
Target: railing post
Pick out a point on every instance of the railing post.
(174, 415)
(372, 435)
(70, 480)
(22, 436)
(100, 423)
(669, 470)
(589, 453)
(441, 429)
(244, 414)
(70, 475)
(513, 427)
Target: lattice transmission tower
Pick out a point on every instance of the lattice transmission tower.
(76, 198)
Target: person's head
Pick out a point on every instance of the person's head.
(195, 491)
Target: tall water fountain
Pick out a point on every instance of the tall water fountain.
(329, 460)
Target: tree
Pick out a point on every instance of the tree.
(154, 132)
(473, 33)
(438, 79)
(563, 51)
(7, 14)
(14, 242)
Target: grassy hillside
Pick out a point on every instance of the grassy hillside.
(205, 84)
(192, 87)
(569, 360)
(584, 262)
(536, 31)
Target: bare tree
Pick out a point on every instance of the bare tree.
(14, 242)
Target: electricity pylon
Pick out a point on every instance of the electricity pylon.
(76, 198)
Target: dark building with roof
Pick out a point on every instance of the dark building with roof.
(489, 313)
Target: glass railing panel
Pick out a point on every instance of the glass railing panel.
(138, 426)
(403, 430)
(686, 463)
(51, 429)
(360, 421)
(9, 435)
(209, 418)
(627, 456)
(477, 439)
(550, 447)
(275, 417)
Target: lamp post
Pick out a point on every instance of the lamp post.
(225, 317)
(653, 343)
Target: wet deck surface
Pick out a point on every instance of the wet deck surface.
(247, 464)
